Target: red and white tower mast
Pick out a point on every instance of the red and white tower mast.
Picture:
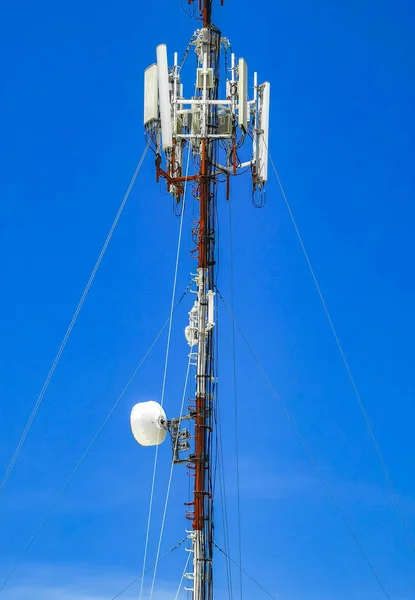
(213, 130)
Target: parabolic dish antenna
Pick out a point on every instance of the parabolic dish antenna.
(148, 421)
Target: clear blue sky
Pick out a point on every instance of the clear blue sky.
(342, 131)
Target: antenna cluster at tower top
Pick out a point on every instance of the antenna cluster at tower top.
(172, 120)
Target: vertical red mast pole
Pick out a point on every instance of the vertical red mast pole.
(200, 471)
(202, 526)
(206, 9)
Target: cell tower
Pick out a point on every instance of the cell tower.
(213, 131)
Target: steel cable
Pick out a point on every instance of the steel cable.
(345, 362)
(176, 269)
(81, 460)
(55, 363)
(307, 451)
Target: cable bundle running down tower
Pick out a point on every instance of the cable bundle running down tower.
(214, 130)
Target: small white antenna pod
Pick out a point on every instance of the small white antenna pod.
(148, 423)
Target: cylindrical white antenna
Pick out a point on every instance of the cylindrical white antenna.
(164, 97)
(242, 93)
(263, 134)
(151, 109)
(255, 86)
(211, 308)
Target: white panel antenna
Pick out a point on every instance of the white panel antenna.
(201, 77)
(263, 132)
(195, 128)
(191, 332)
(195, 120)
(164, 97)
(151, 110)
(242, 93)
(211, 309)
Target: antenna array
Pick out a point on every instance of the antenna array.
(172, 120)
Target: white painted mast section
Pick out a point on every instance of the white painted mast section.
(200, 393)
(201, 282)
(263, 131)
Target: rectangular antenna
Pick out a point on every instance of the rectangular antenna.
(211, 309)
(151, 110)
(242, 93)
(200, 79)
(195, 119)
(263, 132)
(164, 97)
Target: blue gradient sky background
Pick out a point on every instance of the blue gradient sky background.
(342, 131)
